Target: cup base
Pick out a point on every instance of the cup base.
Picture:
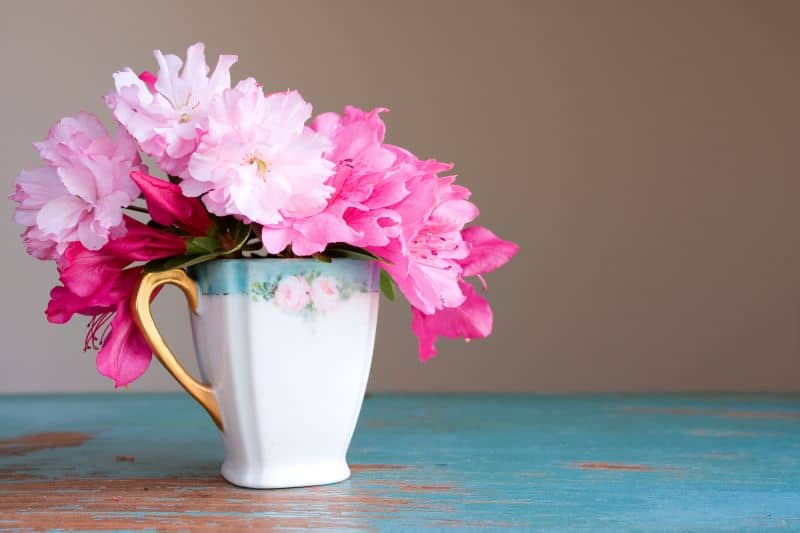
(286, 476)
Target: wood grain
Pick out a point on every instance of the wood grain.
(602, 463)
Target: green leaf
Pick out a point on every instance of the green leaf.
(178, 261)
(348, 251)
(202, 246)
(240, 233)
(170, 229)
(321, 257)
(388, 287)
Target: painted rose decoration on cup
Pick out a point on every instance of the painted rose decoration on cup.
(293, 293)
(324, 293)
(246, 174)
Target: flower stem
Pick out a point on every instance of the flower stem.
(137, 209)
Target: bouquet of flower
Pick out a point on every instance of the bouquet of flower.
(246, 176)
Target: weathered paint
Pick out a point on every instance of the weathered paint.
(41, 441)
(615, 466)
(689, 411)
(603, 463)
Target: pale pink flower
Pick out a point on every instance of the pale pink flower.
(293, 293)
(258, 160)
(167, 114)
(34, 190)
(80, 195)
(324, 293)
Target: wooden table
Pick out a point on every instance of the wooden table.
(603, 463)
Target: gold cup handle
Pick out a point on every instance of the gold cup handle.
(140, 306)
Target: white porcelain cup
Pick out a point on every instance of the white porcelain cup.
(284, 348)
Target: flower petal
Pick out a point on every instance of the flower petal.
(167, 205)
(61, 215)
(125, 354)
(143, 243)
(86, 272)
(471, 320)
(79, 182)
(487, 251)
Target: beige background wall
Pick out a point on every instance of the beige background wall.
(646, 156)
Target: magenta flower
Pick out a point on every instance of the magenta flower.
(101, 295)
(144, 243)
(91, 277)
(258, 161)
(79, 196)
(125, 354)
(167, 114)
(168, 206)
(100, 284)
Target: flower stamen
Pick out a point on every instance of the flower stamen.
(262, 167)
(98, 329)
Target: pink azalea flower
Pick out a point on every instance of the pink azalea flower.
(368, 178)
(144, 243)
(167, 114)
(487, 252)
(100, 284)
(258, 161)
(293, 293)
(324, 293)
(91, 277)
(100, 297)
(424, 260)
(307, 236)
(168, 206)
(79, 196)
(125, 354)
(473, 318)
(470, 320)
(91, 274)
(122, 349)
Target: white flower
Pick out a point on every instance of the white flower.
(168, 113)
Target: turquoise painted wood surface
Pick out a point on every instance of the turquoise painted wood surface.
(599, 463)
